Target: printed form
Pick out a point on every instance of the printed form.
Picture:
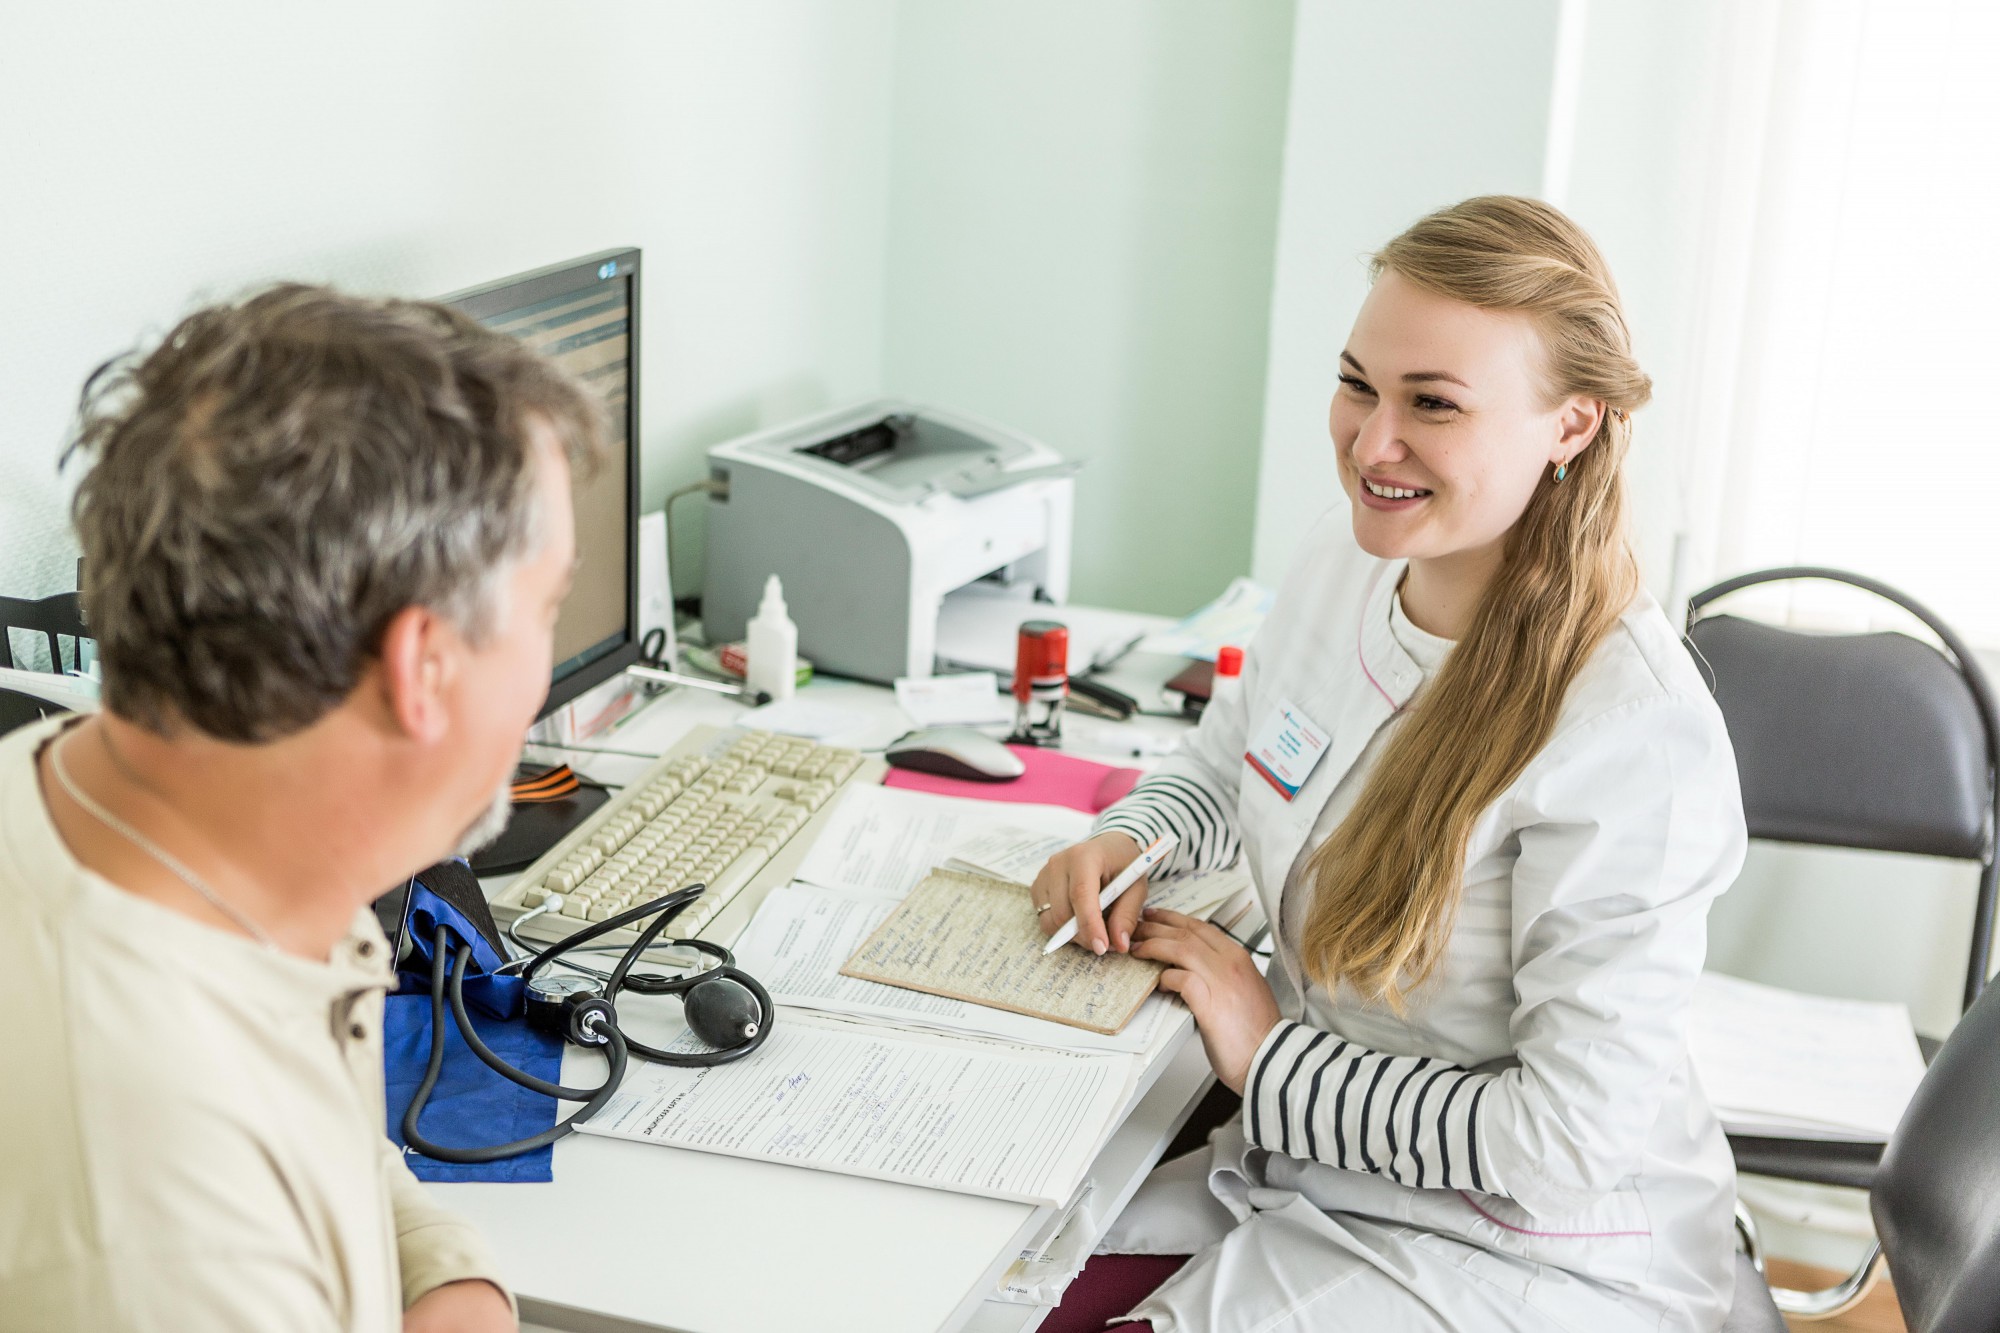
(947, 1115)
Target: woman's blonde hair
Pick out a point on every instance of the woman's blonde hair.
(1387, 883)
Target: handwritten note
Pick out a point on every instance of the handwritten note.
(974, 938)
(1018, 854)
(802, 935)
(943, 1114)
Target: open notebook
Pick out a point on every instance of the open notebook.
(968, 937)
(975, 937)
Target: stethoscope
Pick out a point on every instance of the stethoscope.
(723, 1005)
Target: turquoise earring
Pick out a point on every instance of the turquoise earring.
(1562, 470)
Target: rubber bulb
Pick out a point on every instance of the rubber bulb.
(722, 1013)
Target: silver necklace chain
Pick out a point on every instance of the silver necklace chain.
(153, 849)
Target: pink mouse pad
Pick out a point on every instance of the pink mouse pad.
(1052, 779)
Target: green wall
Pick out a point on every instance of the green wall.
(1083, 203)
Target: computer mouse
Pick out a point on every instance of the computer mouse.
(956, 752)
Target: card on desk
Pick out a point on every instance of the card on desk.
(974, 938)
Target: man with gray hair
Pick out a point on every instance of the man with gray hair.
(325, 540)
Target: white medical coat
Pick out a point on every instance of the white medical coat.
(1526, 1146)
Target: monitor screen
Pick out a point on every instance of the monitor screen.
(585, 316)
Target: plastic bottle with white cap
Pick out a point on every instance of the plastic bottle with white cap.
(772, 646)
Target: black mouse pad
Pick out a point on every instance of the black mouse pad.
(533, 828)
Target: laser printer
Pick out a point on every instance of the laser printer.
(872, 515)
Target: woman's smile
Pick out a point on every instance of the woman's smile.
(1388, 494)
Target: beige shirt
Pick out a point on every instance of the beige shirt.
(191, 1125)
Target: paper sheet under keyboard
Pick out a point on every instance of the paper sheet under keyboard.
(975, 938)
(802, 935)
(883, 840)
(946, 1115)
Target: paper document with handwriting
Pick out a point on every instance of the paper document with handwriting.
(881, 840)
(974, 938)
(802, 935)
(1017, 856)
(922, 1111)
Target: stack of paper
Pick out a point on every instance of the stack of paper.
(893, 1106)
(1781, 1063)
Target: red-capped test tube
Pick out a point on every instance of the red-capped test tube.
(1041, 681)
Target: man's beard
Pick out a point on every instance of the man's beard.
(490, 824)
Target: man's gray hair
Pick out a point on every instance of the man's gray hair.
(281, 476)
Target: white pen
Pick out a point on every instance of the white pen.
(1127, 877)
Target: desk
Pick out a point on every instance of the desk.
(637, 1236)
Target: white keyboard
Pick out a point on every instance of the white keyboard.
(730, 809)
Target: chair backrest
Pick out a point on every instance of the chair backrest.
(1936, 1196)
(18, 709)
(60, 616)
(1873, 740)
(1850, 740)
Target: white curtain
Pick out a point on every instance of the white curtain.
(1848, 314)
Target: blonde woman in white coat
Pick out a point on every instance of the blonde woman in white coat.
(1487, 802)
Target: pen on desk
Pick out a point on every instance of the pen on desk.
(1127, 877)
(1112, 654)
(720, 687)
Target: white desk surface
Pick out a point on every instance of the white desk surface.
(638, 1236)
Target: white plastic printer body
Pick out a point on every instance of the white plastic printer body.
(871, 515)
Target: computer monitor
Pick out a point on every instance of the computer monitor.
(584, 315)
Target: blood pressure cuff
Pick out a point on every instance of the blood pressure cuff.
(471, 1104)
(449, 895)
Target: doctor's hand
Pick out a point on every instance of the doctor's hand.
(1070, 882)
(1232, 1003)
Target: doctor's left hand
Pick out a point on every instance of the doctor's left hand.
(1218, 978)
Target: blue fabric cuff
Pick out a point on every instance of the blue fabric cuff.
(471, 1104)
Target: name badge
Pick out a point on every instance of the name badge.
(1286, 749)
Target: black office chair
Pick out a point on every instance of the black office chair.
(55, 618)
(18, 709)
(1936, 1200)
(1876, 741)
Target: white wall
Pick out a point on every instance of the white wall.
(156, 156)
(1395, 110)
(1636, 166)
(1080, 237)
